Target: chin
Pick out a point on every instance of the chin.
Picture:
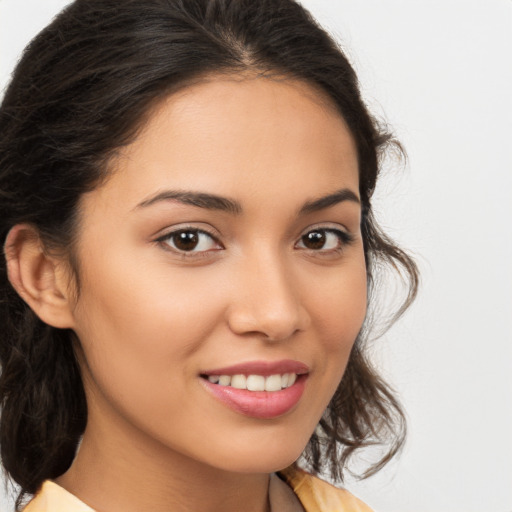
(263, 460)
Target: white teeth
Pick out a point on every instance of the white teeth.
(225, 380)
(255, 382)
(239, 382)
(273, 383)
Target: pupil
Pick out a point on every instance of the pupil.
(314, 240)
(186, 240)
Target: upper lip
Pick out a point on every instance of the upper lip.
(264, 368)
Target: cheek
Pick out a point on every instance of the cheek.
(142, 333)
(136, 300)
(139, 337)
(341, 304)
(340, 312)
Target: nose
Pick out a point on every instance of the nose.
(266, 301)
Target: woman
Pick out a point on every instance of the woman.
(189, 246)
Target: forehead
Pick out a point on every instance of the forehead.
(238, 136)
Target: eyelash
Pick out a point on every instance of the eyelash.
(344, 240)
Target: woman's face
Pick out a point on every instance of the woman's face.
(223, 253)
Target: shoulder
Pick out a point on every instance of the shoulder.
(316, 495)
(54, 498)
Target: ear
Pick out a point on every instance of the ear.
(41, 280)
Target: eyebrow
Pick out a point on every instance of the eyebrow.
(215, 202)
(199, 199)
(344, 194)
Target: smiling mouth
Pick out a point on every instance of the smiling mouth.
(252, 382)
(258, 389)
(257, 396)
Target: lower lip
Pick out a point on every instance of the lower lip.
(259, 404)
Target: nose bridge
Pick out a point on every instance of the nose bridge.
(267, 299)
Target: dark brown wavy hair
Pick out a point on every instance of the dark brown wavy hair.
(83, 89)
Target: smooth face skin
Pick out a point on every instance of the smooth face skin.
(155, 311)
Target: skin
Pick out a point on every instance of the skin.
(150, 319)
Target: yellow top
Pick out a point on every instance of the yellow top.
(314, 494)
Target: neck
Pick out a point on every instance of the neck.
(128, 475)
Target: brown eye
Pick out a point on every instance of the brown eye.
(190, 240)
(186, 240)
(314, 240)
(325, 240)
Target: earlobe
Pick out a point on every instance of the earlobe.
(39, 279)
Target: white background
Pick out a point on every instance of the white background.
(440, 71)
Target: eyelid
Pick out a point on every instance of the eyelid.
(332, 227)
(192, 226)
